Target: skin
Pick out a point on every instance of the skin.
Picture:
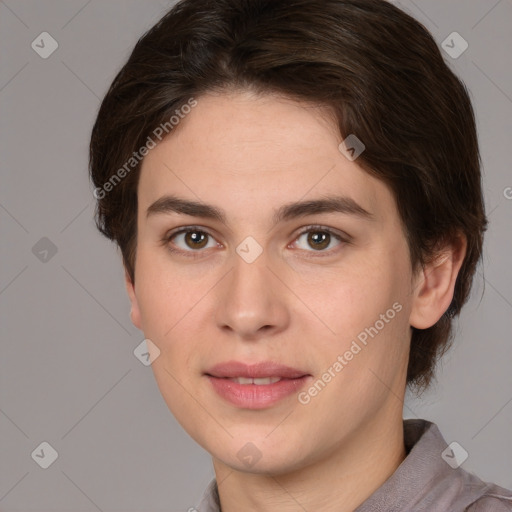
(296, 305)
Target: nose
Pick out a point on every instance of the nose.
(252, 301)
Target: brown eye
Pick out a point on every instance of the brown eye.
(319, 240)
(196, 239)
(190, 240)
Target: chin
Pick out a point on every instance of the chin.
(259, 455)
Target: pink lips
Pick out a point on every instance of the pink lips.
(255, 395)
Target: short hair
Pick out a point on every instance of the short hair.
(374, 67)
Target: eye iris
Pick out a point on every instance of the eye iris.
(197, 238)
(319, 240)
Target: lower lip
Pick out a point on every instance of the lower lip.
(252, 396)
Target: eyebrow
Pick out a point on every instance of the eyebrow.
(329, 204)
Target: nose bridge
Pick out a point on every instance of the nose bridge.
(250, 261)
(249, 276)
(249, 299)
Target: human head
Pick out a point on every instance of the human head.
(377, 71)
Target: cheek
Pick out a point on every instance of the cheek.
(366, 305)
(353, 297)
(168, 304)
(172, 305)
(165, 296)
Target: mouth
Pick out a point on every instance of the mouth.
(258, 382)
(255, 386)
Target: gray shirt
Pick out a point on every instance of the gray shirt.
(424, 481)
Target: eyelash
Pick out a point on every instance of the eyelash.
(166, 241)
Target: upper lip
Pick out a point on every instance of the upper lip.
(231, 369)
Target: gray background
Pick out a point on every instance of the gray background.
(67, 369)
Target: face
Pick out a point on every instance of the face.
(262, 251)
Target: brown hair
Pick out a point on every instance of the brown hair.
(378, 71)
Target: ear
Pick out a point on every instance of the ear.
(135, 311)
(435, 283)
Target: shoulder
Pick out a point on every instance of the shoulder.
(449, 485)
(496, 499)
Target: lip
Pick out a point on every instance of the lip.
(231, 369)
(253, 396)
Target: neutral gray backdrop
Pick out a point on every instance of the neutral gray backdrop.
(68, 373)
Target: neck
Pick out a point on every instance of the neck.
(340, 481)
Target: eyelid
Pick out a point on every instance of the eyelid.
(341, 236)
(184, 229)
(320, 227)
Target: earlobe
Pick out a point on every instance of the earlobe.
(135, 311)
(434, 287)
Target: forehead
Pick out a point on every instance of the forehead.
(253, 153)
